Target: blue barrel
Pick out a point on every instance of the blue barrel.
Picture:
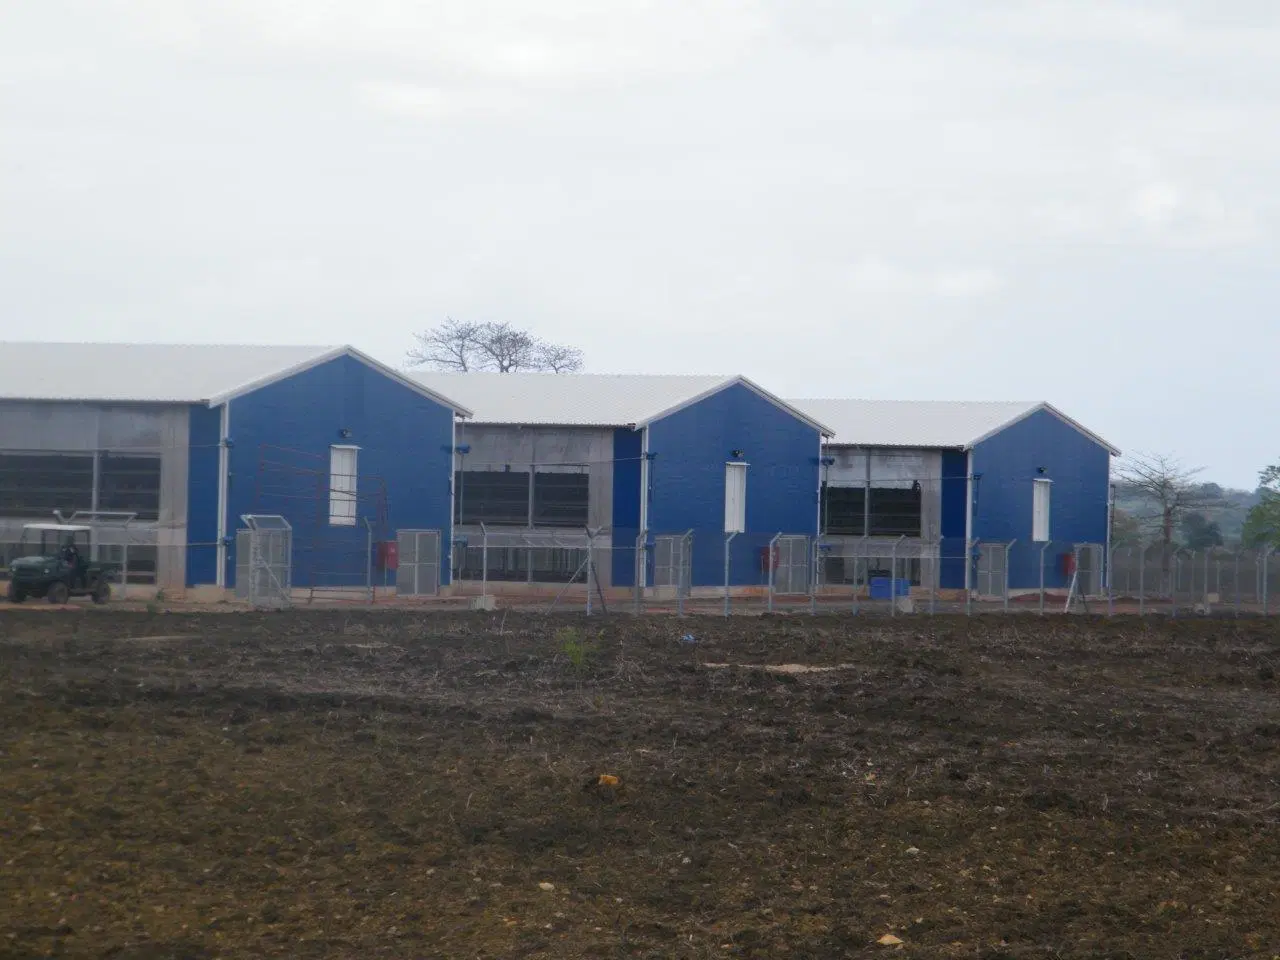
(882, 588)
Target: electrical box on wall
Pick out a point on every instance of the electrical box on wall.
(735, 497)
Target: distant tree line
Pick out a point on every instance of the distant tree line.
(1159, 500)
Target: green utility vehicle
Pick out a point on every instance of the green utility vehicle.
(59, 567)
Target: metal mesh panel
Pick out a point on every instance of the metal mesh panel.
(1089, 569)
(673, 563)
(264, 552)
(243, 551)
(791, 565)
(418, 571)
(992, 575)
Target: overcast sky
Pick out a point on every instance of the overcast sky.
(1074, 201)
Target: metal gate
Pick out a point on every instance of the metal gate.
(418, 568)
(992, 578)
(1089, 569)
(790, 557)
(673, 562)
(264, 560)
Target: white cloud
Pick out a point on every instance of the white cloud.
(1158, 27)
(1156, 203)
(876, 277)
(512, 39)
(1160, 213)
(963, 283)
(434, 102)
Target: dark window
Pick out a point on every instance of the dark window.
(142, 564)
(130, 484)
(491, 496)
(35, 485)
(550, 565)
(560, 499)
(895, 511)
(856, 571)
(142, 560)
(843, 511)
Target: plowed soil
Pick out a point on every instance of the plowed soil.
(396, 785)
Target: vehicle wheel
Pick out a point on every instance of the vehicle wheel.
(101, 592)
(58, 593)
(16, 593)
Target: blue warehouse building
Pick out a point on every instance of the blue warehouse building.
(631, 459)
(188, 439)
(941, 483)
(519, 479)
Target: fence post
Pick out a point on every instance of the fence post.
(813, 576)
(368, 559)
(935, 578)
(856, 582)
(728, 539)
(1042, 550)
(1111, 593)
(1237, 581)
(970, 574)
(124, 578)
(1142, 582)
(641, 539)
(484, 560)
(893, 577)
(591, 566)
(1175, 569)
(1205, 601)
(686, 570)
(773, 545)
(1008, 553)
(1266, 562)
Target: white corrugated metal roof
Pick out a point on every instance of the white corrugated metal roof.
(144, 372)
(924, 423)
(583, 399)
(161, 372)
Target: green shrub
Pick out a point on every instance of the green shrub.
(578, 649)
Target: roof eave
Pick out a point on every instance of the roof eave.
(896, 446)
(1049, 408)
(322, 358)
(777, 401)
(550, 424)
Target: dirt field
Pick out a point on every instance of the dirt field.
(389, 785)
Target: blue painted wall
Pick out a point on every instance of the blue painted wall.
(690, 449)
(955, 472)
(1006, 465)
(279, 463)
(202, 495)
(627, 454)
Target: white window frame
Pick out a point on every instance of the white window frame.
(343, 487)
(1041, 511)
(735, 496)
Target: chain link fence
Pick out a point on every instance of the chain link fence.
(702, 572)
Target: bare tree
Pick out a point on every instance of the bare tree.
(507, 349)
(451, 346)
(499, 347)
(559, 359)
(1169, 488)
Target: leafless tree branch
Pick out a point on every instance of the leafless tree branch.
(558, 358)
(500, 347)
(450, 346)
(1169, 486)
(506, 349)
